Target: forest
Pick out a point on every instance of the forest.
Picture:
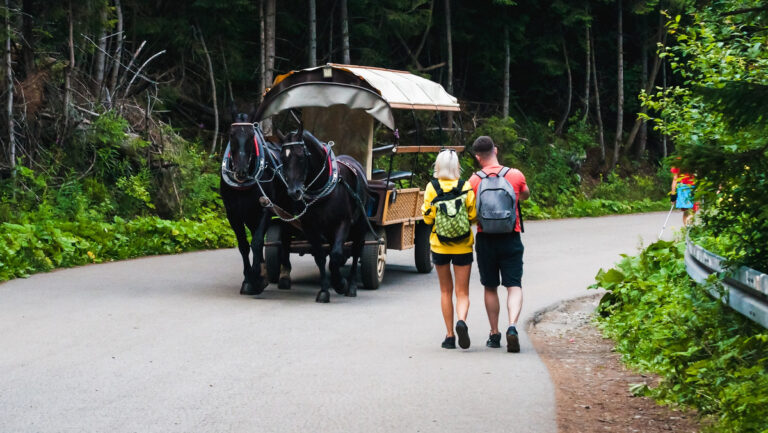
(115, 111)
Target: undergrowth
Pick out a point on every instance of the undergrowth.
(710, 357)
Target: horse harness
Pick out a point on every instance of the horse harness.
(256, 174)
(329, 162)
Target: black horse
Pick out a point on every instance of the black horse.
(328, 193)
(244, 166)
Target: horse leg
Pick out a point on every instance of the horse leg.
(247, 288)
(357, 252)
(319, 255)
(284, 281)
(258, 270)
(337, 258)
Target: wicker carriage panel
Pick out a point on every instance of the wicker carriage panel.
(401, 236)
(407, 206)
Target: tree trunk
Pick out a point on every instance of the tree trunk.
(559, 129)
(505, 103)
(70, 68)
(269, 71)
(449, 40)
(651, 81)
(345, 32)
(262, 52)
(28, 13)
(213, 92)
(620, 87)
(644, 109)
(9, 79)
(101, 52)
(270, 45)
(118, 48)
(330, 33)
(587, 74)
(312, 33)
(664, 87)
(600, 129)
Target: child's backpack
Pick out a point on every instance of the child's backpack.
(451, 216)
(496, 203)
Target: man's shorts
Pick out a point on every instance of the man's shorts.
(499, 253)
(457, 259)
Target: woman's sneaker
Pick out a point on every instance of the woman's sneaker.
(513, 342)
(494, 340)
(449, 343)
(463, 332)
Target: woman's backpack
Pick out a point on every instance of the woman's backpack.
(496, 203)
(451, 216)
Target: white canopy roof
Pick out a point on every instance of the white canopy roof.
(401, 89)
(375, 90)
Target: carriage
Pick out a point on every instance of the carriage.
(342, 104)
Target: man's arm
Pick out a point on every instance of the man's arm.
(525, 193)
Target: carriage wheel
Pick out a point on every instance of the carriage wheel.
(272, 253)
(373, 261)
(421, 250)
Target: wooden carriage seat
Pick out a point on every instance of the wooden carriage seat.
(377, 191)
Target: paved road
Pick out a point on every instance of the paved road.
(166, 344)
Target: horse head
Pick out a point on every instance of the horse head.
(294, 159)
(242, 147)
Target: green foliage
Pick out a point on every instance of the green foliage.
(710, 357)
(48, 244)
(717, 119)
(552, 165)
(112, 212)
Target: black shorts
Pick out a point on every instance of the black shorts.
(499, 254)
(457, 259)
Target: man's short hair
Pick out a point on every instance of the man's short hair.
(483, 146)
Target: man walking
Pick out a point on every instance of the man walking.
(499, 249)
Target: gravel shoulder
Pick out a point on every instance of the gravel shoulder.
(591, 383)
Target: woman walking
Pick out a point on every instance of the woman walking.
(449, 206)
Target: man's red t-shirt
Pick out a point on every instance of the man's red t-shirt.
(515, 178)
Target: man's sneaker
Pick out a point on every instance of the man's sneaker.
(494, 340)
(449, 343)
(513, 342)
(463, 332)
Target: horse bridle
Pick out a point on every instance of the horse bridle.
(229, 176)
(308, 154)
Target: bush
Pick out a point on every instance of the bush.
(48, 244)
(710, 357)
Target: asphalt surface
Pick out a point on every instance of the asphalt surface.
(166, 344)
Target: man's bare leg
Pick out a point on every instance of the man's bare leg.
(514, 304)
(492, 308)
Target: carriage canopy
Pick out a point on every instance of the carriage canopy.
(339, 102)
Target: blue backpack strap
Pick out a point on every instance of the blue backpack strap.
(503, 172)
(481, 174)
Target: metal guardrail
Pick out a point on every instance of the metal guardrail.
(746, 289)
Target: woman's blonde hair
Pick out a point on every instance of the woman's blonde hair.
(447, 165)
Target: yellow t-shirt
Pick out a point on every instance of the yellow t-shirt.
(463, 246)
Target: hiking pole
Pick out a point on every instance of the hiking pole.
(666, 220)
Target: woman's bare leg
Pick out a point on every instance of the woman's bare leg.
(446, 296)
(462, 290)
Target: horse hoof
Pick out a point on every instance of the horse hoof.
(351, 290)
(342, 288)
(284, 284)
(248, 289)
(323, 297)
